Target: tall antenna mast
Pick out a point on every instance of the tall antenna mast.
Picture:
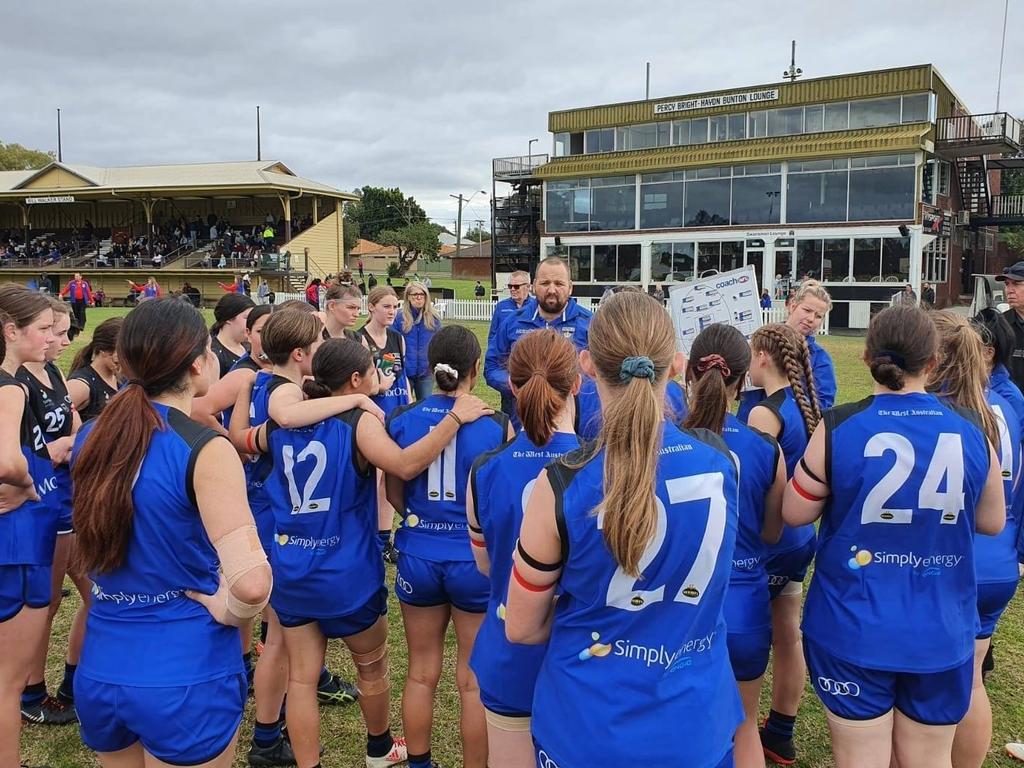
(794, 71)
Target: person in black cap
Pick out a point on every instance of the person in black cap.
(1013, 277)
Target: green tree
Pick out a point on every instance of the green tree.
(380, 210)
(1012, 183)
(14, 157)
(414, 241)
(477, 235)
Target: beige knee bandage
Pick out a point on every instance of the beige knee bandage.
(506, 723)
(376, 685)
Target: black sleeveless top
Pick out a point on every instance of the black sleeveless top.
(225, 356)
(51, 405)
(99, 392)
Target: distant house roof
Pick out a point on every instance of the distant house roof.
(369, 248)
(474, 250)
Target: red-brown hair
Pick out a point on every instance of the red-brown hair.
(158, 342)
(543, 368)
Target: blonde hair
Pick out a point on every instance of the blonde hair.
(788, 352)
(813, 289)
(428, 317)
(631, 324)
(379, 293)
(962, 373)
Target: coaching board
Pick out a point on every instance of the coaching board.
(728, 297)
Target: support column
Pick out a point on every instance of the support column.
(24, 221)
(316, 210)
(286, 204)
(147, 206)
(339, 233)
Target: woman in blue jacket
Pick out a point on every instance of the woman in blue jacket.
(417, 323)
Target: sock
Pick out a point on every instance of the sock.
(385, 537)
(325, 678)
(378, 746)
(67, 686)
(266, 734)
(33, 694)
(780, 725)
(263, 631)
(420, 761)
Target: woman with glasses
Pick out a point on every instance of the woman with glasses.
(417, 322)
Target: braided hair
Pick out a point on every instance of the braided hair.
(789, 354)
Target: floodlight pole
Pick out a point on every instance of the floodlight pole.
(259, 148)
(60, 153)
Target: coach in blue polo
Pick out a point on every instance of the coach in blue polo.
(553, 307)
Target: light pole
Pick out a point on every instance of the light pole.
(529, 149)
(458, 225)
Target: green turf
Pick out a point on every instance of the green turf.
(342, 731)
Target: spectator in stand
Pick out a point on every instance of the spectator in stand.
(150, 290)
(80, 294)
(268, 236)
(313, 293)
(417, 322)
(479, 291)
(518, 294)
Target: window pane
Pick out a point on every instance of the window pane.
(707, 203)
(882, 194)
(561, 144)
(732, 255)
(680, 131)
(785, 122)
(664, 134)
(757, 125)
(661, 205)
(915, 108)
(613, 208)
(661, 261)
(576, 143)
(867, 261)
(756, 199)
(836, 264)
(682, 261)
(737, 126)
(896, 259)
(836, 116)
(718, 128)
(814, 118)
(707, 257)
(870, 113)
(604, 263)
(643, 136)
(579, 263)
(601, 140)
(943, 177)
(808, 258)
(699, 130)
(629, 264)
(568, 210)
(816, 197)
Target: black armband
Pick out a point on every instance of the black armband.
(536, 564)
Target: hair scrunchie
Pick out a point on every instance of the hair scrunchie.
(894, 357)
(447, 369)
(711, 362)
(639, 367)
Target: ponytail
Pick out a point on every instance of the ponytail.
(543, 369)
(719, 359)
(83, 357)
(104, 339)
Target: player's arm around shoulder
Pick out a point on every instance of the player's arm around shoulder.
(808, 490)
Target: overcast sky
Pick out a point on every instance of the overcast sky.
(423, 94)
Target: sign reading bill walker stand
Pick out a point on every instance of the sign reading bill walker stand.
(721, 100)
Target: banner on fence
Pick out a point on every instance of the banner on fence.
(729, 297)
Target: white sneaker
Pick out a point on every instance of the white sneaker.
(398, 754)
(1015, 749)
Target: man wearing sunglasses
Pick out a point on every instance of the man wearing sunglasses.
(518, 294)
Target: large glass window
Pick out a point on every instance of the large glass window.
(785, 122)
(757, 124)
(707, 202)
(818, 196)
(915, 107)
(579, 263)
(682, 261)
(628, 270)
(878, 194)
(737, 126)
(568, 206)
(814, 118)
(718, 128)
(699, 130)
(867, 259)
(614, 203)
(561, 144)
(896, 259)
(661, 261)
(671, 262)
(600, 140)
(708, 257)
(808, 258)
(617, 263)
(680, 132)
(732, 255)
(661, 200)
(756, 199)
(836, 261)
(871, 113)
(604, 263)
(837, 116)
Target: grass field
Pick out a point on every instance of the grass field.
(342, 730)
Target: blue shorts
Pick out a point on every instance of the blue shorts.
(789, 566)
(426, 583)
(748, 616)
(23, 586)
(499, 708)
(858, 693)
(545, 761)
(344, 626)
(992, 601)
(185, 725)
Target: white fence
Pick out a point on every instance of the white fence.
(481, 310)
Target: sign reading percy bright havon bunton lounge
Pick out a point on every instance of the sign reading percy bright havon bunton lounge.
(721, 100)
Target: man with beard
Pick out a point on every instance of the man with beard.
(553, 308)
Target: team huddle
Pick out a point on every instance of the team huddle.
(620, 554)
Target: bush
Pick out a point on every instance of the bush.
(394, 270)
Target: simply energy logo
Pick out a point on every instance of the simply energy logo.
(307, 542)
(929, 565)
(649, 656)
(134, 598)
(443, 526)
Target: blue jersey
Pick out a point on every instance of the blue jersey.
(258, 467)
(1001, 383)
(996, 556)
(245, 362)
(139, 610)
(390, 361)
(501, 483)
(588, 407)
(628, 656)
(822, 371)
(434, 518)
(325, 557)
(757, 456)
(894, 585)
(793, 442)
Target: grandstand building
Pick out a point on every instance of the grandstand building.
(866, 181)
(89, 213)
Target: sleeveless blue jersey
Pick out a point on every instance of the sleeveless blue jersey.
(629, 657)
(996, 556)
(894, 585)
(139, 612)
(434, 518)
(389, 360)
(793, 442)
(245, 362)
(501, 483)
(1003, 385)
(757, 456)
(588, 407)
(258, 467)
(325, 555)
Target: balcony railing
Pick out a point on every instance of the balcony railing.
(988, 133)
(520, 167)
(1008, 206)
